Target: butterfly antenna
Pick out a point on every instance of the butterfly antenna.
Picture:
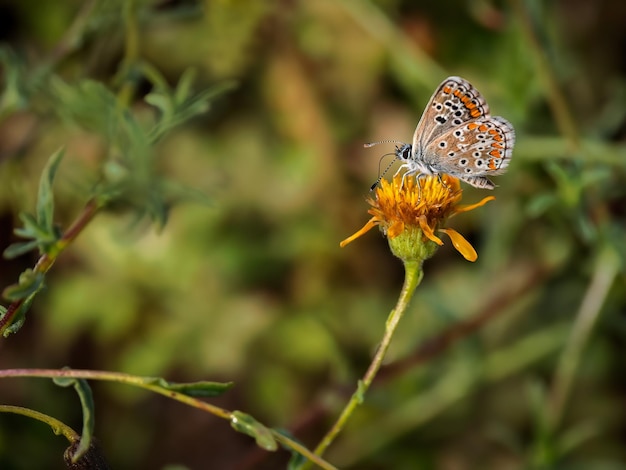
(372, 187)
(371, 144)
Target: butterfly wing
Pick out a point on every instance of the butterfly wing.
(454, 103)
(477, 149)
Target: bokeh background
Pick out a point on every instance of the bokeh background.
(253, 287)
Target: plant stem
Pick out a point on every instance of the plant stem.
(57, 426)
(606, 268)
(413, 276)
(558, 103)
(146, 383)
(131, 53)
(45, 262)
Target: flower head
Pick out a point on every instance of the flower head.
(409, 215)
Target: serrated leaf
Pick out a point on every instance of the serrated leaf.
(86, 401)
(192, 389)
(19, 248)
(244, 423)
(45, 198)
(29, 283)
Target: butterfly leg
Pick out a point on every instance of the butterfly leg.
(443, 183)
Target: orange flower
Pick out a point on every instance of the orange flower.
(410, 217)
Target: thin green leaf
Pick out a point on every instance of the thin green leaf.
(31, 228)
(183, 88)
(161, 101)
(19, 248)
(154, 76)
(86, 401)
(45, 199)
(244, 423)
(29, 283)
(192, 389)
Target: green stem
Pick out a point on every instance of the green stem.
(147, 384)
(413, 276)
(57, 426)
(606, 269)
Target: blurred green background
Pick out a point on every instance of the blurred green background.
(254, 288)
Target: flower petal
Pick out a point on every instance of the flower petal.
(396, 229)
(461, 244)
(366, 228)
(471, 207)
(429, 231)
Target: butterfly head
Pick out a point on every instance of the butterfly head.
(404, 152)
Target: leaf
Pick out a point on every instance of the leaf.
(183, 88)
(31, 227)
(244, 423)
(19, 318)
(45, 199)
(86, 401)
(192, 389)
(29, 283)
(16, 249)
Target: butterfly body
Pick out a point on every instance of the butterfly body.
(456, 135)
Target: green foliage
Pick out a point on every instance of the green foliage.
(246, 424)
(192, 389)
(39, 228)
(250, 285)
(87, 404)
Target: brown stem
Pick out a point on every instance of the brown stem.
(46, 260)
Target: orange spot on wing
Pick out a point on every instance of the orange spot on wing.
(472, 125)
(497, 145)
(495, 154)
(492, 164)
(447, 90)
(493, 131)
(497, 137)
(482, 128)
(475, 113)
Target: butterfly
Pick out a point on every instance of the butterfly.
(457, 136)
